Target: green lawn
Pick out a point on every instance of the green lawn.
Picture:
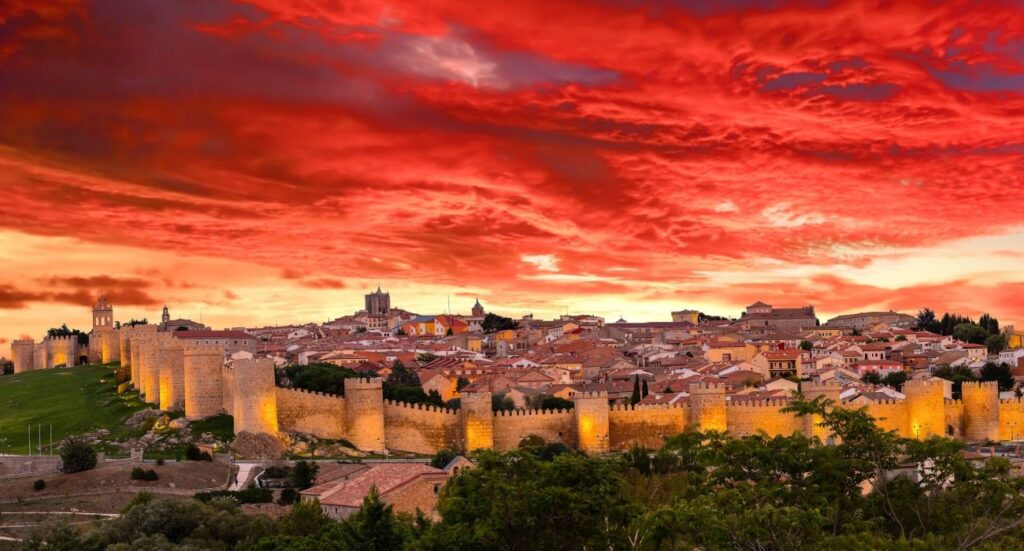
(73, 400)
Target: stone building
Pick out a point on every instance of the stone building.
(378, 303)
(761, 315)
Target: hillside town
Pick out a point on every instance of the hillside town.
(763, 353)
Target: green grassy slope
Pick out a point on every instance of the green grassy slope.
(74, 400)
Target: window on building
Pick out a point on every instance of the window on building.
(437, 489)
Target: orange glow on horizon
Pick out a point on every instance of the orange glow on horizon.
(621, 160)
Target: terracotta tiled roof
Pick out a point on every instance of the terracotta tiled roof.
(211, 335)
(386, 477)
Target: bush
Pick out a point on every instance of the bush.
(138, 473)
(160, 461)
(442, 458)
(277, 472)
(288, 497)
(248, 495)
(76, 455)
(192, 453)
(304, 474)
(39, 485)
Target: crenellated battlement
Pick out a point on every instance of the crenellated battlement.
(647, 407)
(427, 408)
(759, 403)
(312, 392)
(364, 384)
(591, 394)
(203, 349)
(531, 412)
(980, 385)
(22, 342)
(706, 388)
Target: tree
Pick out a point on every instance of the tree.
(461, 383)
(998, 372)
(989, 323)
(634, 399)
(570, 502)
(970, 332)
(442, 458)
(958, 375)
(319, 377)
(304, 474)
(426, 357)
(896, 379)
(63, 331)
(926, 321)
(402, 376)
(493, 323)
(305, 519)
(373, 527)
(643, 389)
(76, 455)
(501, 402)
(6, 367)
(546, 401)
(995, 343)
(871, 378)
(806, 345)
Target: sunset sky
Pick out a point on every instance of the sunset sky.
(269, 162)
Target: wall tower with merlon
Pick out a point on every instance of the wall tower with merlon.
(23, 355)
(364, 413)
(477, 420)
(707, 407)
(925, 408)
(981, 411)
(591, 415)
(149, 368)
(203, 380)
(255, 396)
(172, 375)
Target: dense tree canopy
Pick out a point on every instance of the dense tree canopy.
(870, 489)
(493, 323)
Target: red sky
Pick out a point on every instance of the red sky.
(262, 162)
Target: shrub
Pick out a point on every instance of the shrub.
(288, 497)
(39, 485)
(149, 475)
(304, 474)
(248, 495)
(160, 461)
(442, 458)
(277, 472)
(192, 453)
(76, 455)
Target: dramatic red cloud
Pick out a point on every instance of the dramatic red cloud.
(610, 157)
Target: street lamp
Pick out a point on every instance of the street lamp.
(917, 431)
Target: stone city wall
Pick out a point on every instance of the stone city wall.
(321, 415)
(511, 427)
(644, 425)
(420, 428)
